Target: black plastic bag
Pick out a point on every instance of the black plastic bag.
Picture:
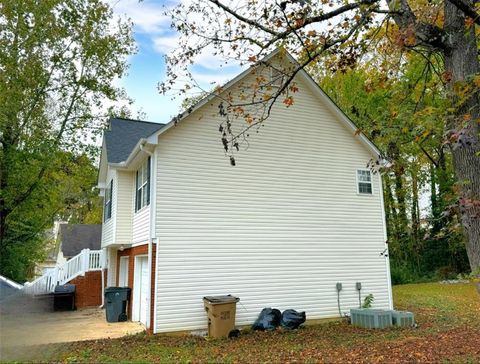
(292, 319)
(269, 319)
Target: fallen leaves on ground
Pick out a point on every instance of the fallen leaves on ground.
(448, 331)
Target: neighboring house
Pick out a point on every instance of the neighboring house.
(298, 213)
(73, 238)
(76, 258)
(65, 241)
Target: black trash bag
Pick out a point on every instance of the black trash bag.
(269, 319)
(292, 319)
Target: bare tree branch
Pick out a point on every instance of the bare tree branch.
(242, 18)
(468, 9)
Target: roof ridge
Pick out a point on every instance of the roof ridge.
(137, 121)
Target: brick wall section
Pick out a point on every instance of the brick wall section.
(88, 289)
(131, 253)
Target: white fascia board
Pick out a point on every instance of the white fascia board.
(101, 188)
(335, 109)
(341, 115)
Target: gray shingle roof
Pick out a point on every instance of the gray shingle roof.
(124, 134)
(75, 237)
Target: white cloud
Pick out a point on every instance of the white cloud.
(218, 78)
(165, 44)
(147, 16)
(209, 59)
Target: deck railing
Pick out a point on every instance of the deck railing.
(86, 261)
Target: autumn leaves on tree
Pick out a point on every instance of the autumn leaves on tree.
(338, 36)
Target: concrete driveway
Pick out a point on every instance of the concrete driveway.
(26, 322)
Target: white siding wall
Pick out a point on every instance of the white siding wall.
(112, 267)
(108, 234)
(277, 230)
(141, 225)
(124, 208)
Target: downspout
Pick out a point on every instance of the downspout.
(150, 234)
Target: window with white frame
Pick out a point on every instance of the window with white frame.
(142, 196)
(107, 210)
(364, 181)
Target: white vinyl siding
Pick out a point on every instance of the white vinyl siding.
(125, 208)
(118, 229)
(278, 230)
(141, 225)
(108, 226)
(112, 266)
(141, 217)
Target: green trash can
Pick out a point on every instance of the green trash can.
(116, 299)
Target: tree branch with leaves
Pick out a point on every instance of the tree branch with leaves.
(310, 30)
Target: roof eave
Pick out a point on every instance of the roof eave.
(137, 149)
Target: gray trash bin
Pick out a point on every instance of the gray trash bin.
(116, 299)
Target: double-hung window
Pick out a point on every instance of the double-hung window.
(107, 210)
(142, 195)
(364, 181)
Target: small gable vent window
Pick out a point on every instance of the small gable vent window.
(364, 181)
(276, 77)
(107, 211)
(142, 196)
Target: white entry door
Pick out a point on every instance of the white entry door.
(140, 290)
(123, 272)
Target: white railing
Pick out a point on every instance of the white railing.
(43, 284)
(86, 261)
(95, 260)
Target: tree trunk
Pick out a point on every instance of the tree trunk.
(390, 212)
(461, 65)
(415, 210)
(400, 193)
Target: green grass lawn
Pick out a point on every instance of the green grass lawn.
(448, 330)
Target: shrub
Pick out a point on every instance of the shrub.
(403, 274)
(445, 272)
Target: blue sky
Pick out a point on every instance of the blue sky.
(154, 39)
